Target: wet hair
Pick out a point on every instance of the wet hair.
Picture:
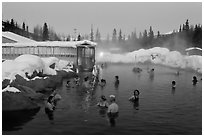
(103, 80)
(103, 97)
(173, 82)
(136, 91)
(68, 81)
(153, 69)
(194, 77)
(116, 77)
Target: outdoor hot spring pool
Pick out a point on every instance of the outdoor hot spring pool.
(160, 109)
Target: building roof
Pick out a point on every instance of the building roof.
(72, 44)
(16, 37)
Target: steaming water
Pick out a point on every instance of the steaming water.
(160, 109)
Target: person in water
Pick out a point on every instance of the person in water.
(112, 111)
(135, 96)
(194, 80)
(103, 103)
(113, 107)
(102, 83)
(50, 104)
(86, 84)
(117, 79)
(173, 84)
(68, 83)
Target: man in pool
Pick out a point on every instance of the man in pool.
(113, 107)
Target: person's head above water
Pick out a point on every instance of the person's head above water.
(194, 78)
(116, 77)
(173, 82)
(152, 69)
(112, 98)
(103, 97)
(136, 92)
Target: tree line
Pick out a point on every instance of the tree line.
(187, 35)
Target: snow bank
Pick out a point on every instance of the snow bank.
(156, 55)
(25, 65)
(10, 89)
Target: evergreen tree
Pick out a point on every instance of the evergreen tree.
(180, 29)
(140, 35)
(27, 28)
(79, 37)
(23, 26)
(68, 38)
(120, 36)
(45, 32)
(12, 22)
(98, 35)
(158, 34)
(114, 37)
(92, 33)
(187, 25)
(183, 27)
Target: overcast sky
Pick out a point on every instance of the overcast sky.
(64, 17)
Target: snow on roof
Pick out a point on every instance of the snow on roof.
(16, 37)
(193, 48)
(72, 44)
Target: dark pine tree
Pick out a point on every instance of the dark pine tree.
(23, 26)
(187, 25)
(114, 37)
(79, 37)
(45, 32)
(120, 37)
(92, 33)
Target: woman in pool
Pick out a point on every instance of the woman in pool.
(103, 103)
(135, 96)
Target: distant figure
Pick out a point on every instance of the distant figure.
(112, 110)
(49, 104)
(102, 83)
(103, 103)
(173, 84)
(137, 70)
(86, 84)
(152, 70)
(151, 74)
(194, 80)
(135, 96)
(68, 84)
(117, 80)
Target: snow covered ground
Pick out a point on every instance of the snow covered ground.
(27, 64)
(156, 55)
